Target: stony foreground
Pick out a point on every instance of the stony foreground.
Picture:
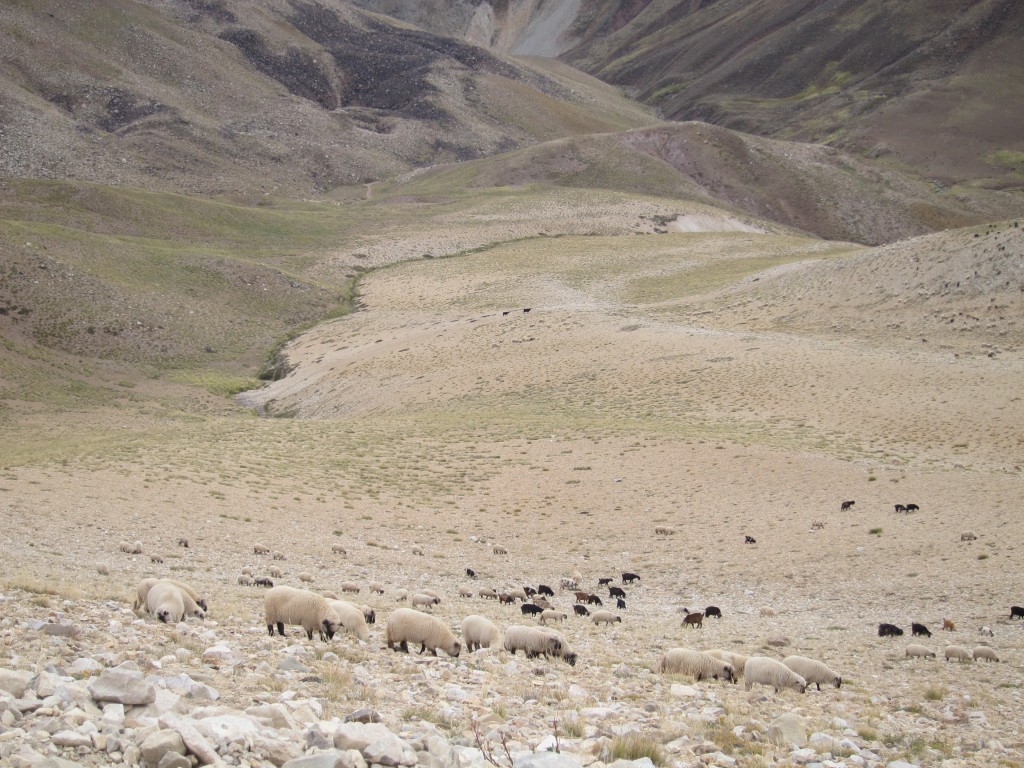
(87, 683)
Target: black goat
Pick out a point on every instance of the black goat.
(629, 578)
(620, 603)
(544, 589)
(471, 573)
(889, 630)
(712, 610)
(920, 629)
(616, 592)
(581, 610)
(846, 505)
(529, 609)
(1016, 612)
(749, 540)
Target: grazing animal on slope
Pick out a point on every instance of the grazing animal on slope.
(846, 505)
(889, 630)
(919, 629)
(695, 620)
(406, 625)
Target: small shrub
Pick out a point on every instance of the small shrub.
(935, 693)
(875, 531)
(633, 746)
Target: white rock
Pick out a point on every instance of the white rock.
(14, 682)
(122, 686)
(71, 739)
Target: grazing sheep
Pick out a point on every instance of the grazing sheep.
(305, 577)
(629, 578)
(487, 593)
(568, 583)
(767, 671)
(156, 559)
(165, 602)
(767, 612)
(329, 594)
(695, 620)
(102, 569)
(818, 525)
(958, 652)
(245, 580)
(919, 629)
(544, 589)
(480, 632)
(713, 610)
(550, 614)
(274, 571)
(263, 581)
(889, 630)
(541, 602)
(581, 610)
(565, 651)
(401, 595)
(533, 641)
(417, 549)
(352, 619)
(421, 599)
(530, 609)
(749, 540)
(289, 605)
(696, 664)
(664, 530)
(919, 651)
(261, 549)
(616, 592)
(1016, 612)
(846, 505)
(247, 571)
(464, 592)
(375, 587)
(605, 617)
(338, 549)
(985, 652)
(949, 625)
(349, 586)
(131, 548)
(195, 605)
(500, 550)
(406, 625)
(813, 671)
(985, 630)
(183, 543)
(278, 556)
(968, 536)
(777, 641)
(471, 573)
(369, 614)
(519, 594)
(736, 659)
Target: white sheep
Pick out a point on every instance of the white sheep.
(985, 652)
(664, 530)
(564, 651)
(247, 571)
(813, 671)
(465, 591)
(305, 577)
(986, 631)
(274, 572)
(352, 619)
(767, 671)
(261, 549)
(919, 651)
(288, 605)
(519, 594)
(417, 549)
(968, 536)
(401, 595)
(541, 602)
(102, 569)
(549, 614)
(569, 583)
(538, 641)
(696, 664)
(245, 580)
(480, 632)
(194, 604)
(349, 586)
(605, 617)
(131, 548)
(487, 592)
(499, 550)
(156, 559)
(422, 599)
(329, 594)
(369, 614)
(375, 587)
(958, 652)
(767, 613)
(736, 659)
(406, 625)
(338, 549)
(278, 556)
(164, 601)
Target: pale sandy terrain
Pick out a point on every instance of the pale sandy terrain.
(626, 398)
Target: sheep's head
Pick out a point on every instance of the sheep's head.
(164, 616)
(201, 602)
(330, 627)
(838, 682)
(455, 649)
(571, 658)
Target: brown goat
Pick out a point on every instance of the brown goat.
(695, 620)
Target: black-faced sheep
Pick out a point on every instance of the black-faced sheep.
(261, 549)
(305, 577)
(813, 671)
(278, 556)
(183, 543)
(131, 548)
(349, 586)
(550, 614)
(288, 605)
(533, 641)
(541, 601)
(245, 580)
(338, 549)
(1016, 612)
(985, 652)
(194, 604)
(498, 550)
(616, 592)
(529, 609)
(919, 651)
(889, 630)
(696, 664)
(471, 573)
(544, 589)
(604, 617)
(629, 578)
(919, 630)
(487, 593)
(421, 599)
(274, 571)
(968, 536)
(581, 610)
(465, 591)
(156, 559)
(480, 632)
(406, 625)
(375, 587)
(165, 602)
(958, 652)
(712, 611)
(352, 619)
(767, 671)
(368, 613)
(695, 620)
(738, 660)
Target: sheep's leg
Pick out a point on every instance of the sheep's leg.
(280, 628)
